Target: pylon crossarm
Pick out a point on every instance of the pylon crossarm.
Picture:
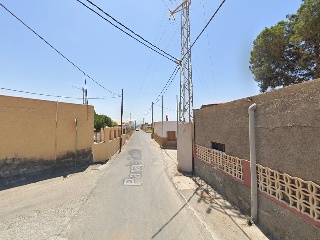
(178, 9)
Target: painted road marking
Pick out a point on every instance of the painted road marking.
(136, 166)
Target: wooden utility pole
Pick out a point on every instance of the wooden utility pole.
(121, 120)
(152, 119)
(162, 117)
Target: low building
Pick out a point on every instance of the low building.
(166, 136)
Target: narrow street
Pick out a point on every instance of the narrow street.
(130, 197)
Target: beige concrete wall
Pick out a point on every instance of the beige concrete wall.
(104, 150)
(287, 123)
(33, 130)
(184, 147)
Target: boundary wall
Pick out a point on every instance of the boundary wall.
(287, 123)
(38, 134)
(104, 150)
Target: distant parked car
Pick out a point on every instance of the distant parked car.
(137, 129)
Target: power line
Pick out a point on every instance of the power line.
(48, 95)
(150, 61)
(210, 56)
(214, 14)
(168, 83)
(170, 109)
(166, 5)
(201, 78)
(131, 30)
(142, 41)
(62, 55)
(157, 67)
(176, 69)
(165, 88)
(148, 111)
(33, 93)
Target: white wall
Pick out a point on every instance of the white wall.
(167, 126)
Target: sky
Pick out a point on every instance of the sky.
(220, 57)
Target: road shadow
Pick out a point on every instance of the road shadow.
(53, 172)
(167, 223)
(217, 202)
(209, 196)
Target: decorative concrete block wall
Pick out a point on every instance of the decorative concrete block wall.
(287, 123)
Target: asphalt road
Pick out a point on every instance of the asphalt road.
(130, 197)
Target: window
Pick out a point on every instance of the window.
(218, 146)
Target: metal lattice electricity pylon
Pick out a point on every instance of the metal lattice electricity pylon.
(186, 87)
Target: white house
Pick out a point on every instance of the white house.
(169, 130)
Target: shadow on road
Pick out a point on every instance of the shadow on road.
(24, 179)
(208, 195)
(166, 224)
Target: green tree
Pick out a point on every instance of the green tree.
(307, 32)
(282, 54)
(101, 121)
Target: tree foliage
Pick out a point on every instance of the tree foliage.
(288, 52)
(101, 121)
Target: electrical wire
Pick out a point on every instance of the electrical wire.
(62, 55)
(170, 109)
(149, 62)
(166, 5)
(200, 76)
(165, 88)
(175, 71)
(142, 41)
(48, 95)
(168, 83)
(131, 30)
(214, 14)
(33, 93)
(177, 68)
(210, 57)
(158, 64)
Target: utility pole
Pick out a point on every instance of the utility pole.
(121, 120)
(162, 116)
(177, 114)
(130, 122)
(152, 119)
(85, 92)
(186, 87)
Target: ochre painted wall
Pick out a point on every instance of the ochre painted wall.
(42, 130)
(104, 150)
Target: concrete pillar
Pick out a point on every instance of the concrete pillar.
(106, 134)
(111, 133)
(184, 146)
